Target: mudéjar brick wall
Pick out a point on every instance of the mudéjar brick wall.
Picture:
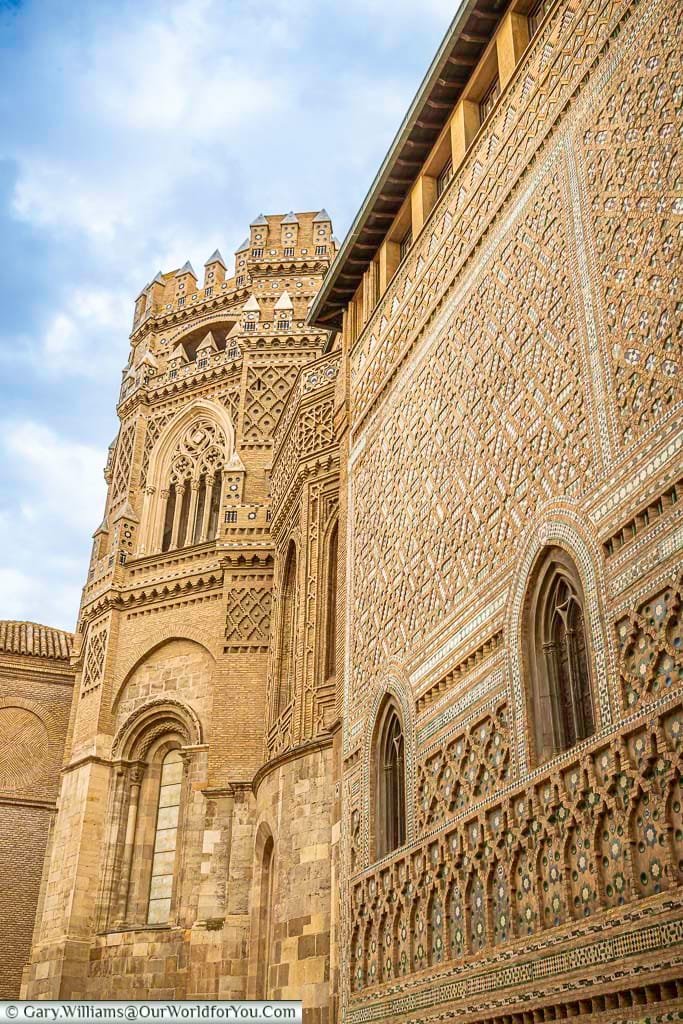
(36, 684)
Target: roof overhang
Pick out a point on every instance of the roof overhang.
(464, 43)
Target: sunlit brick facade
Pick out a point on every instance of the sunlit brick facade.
(378, 664)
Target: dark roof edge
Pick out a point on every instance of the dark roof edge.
(415, 109)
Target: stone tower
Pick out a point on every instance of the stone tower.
(174, 869)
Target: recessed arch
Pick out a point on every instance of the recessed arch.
(287, 644)
(329, 625)
(159, 717)
(388, 781)
(394, 688)
(139, 654)
(155, 512)
(262, 910)
(188, 335)
(562, 530)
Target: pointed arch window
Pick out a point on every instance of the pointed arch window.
(390, 804)
(329, 660)
(287, 666)
(558, 656)
(193, 494)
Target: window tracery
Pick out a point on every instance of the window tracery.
(390, 808)
(193, 494)
(558, 656)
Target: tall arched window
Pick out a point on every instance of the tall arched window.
(146, 829)
(558, 656)
(193, 493)
(329, 658)
(390, 803)
(265, 919)
(287, 661)
(165, 839)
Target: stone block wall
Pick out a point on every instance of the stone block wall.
(294, 803)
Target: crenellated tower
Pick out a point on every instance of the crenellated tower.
(186, 831)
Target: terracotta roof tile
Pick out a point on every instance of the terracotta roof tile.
(33, 639)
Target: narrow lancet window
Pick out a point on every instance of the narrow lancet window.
(558, 655)
(390, 809)
(288, 631)
(331, 609)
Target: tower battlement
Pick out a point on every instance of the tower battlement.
(277, 244)
(184, 327)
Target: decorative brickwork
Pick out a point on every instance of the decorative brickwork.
(248, 618)
(601, 831)
(95, 651)
(651, 647)
(401, 733)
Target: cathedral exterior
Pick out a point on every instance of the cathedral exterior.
(378, 668)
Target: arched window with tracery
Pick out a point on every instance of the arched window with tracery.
(558, 656)
(287, 660)
(192, 495)
(390, 797)
(329, 656)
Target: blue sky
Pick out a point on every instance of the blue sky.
(133, 137)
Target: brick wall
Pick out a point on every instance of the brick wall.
(35, 697)
(23, 836)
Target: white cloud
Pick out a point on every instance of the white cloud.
(52, 498)
(16, 592)
(148, 135)
(37, 597)
(60, 477)
(70, 341)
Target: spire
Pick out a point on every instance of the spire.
(149, 359)
(159, 279)
(178, 354)
(244, 246)
(259, 222)
(251, 305)
(321, 217)
(208, 344)
(186, 269)
(102, 528)
(216, 257)
(126, 512)
(290, 218)
(284, 302)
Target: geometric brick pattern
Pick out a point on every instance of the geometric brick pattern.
(248, 616)
(483, 454)
(630, 165)
(23, 746)
(123, 463)
(599, 832)
(93, 664)
(651, 647)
